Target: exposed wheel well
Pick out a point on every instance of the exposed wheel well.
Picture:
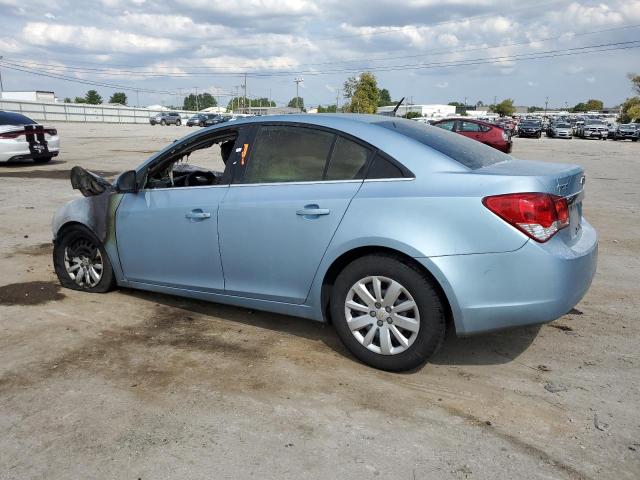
(63, 229)
(342, 261)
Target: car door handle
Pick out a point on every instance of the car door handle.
(313, 210)
(197, 214)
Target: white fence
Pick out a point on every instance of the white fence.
(73, 112)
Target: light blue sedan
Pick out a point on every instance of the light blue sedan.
(392, 230)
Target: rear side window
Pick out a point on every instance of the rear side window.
(288, 154)
(470, 127)
(348, 160)
(10, 118)
(446, 125)
(470, 153)
(383, 167)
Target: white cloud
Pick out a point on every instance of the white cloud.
(442, 84)
(94, 39)
(532, 84)
(591, 79)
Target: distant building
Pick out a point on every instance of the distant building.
(426, 111)
(35, 96)
(215, 110)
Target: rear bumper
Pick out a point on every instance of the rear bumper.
(535, 284)
(18, 150)
(529, 134)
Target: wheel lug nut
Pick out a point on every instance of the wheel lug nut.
(380, 323)
(388, 309)
(378, 305)
(372, 313)
(389, 320)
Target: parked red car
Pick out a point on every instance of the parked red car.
(483, 132)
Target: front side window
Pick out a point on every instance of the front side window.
(446, 125)
(348, 160)
(288, 154)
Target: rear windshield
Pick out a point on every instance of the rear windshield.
(10, 118)
(470, 153)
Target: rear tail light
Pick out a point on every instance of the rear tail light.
(538, 215)
(51, 131)
(10, 135)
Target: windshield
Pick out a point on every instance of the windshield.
(470, 153)
(530, 123)
(563, 125)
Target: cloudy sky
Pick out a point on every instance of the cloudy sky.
(433, 51)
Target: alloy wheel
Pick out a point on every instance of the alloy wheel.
(83, 262)
(382, 315)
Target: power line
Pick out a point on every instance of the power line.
(202, 70)
(402, 67)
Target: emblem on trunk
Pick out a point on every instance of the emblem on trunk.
(561, 187)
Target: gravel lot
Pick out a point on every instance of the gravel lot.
(139, 385)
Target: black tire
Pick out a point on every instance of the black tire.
(431, 333)
(43, 159)
(178, 123)
(634, 139)
(163, 123)
(81, 239)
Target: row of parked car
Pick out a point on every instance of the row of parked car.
(590, 128)
(197, 120)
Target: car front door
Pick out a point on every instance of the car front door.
(279, 216)
(169, 236)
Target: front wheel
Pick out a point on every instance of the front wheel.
(387, 313)
(178, 123)
(163, 123)
(43, 159)
(81, 262)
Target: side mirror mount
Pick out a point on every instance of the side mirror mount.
(127, 182)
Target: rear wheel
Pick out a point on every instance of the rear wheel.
(387, 313)
(178, 123)
(163, 123)
(81, 261)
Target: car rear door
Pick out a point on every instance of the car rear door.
(280, 214)
(470, 129)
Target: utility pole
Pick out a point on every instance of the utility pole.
(138, 98)
(297, 81)
(546, 104)
(337, 97)
(197, 101)
(244, 100)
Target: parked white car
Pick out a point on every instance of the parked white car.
(22, 138)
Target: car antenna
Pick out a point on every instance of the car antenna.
(398, 106)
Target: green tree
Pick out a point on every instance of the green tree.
(505, 108)
(80, 100)
(411, 115)
(67, 100)
(534, 109)
(456, 104)
(296, 102)
(580, 107)
(329, 109)
(119, 98)
(594, 105)
(199, 102)
(629, 110)
(384, 98)
(635, 82)
(93, 98)
(363, 93)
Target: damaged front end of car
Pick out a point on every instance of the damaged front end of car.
(96, 210)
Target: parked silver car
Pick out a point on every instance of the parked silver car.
(560, 130)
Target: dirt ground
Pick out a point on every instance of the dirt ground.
(139, 385)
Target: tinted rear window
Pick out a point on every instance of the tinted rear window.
(470, 153)
(10, 118)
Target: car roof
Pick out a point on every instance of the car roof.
(362, 126)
